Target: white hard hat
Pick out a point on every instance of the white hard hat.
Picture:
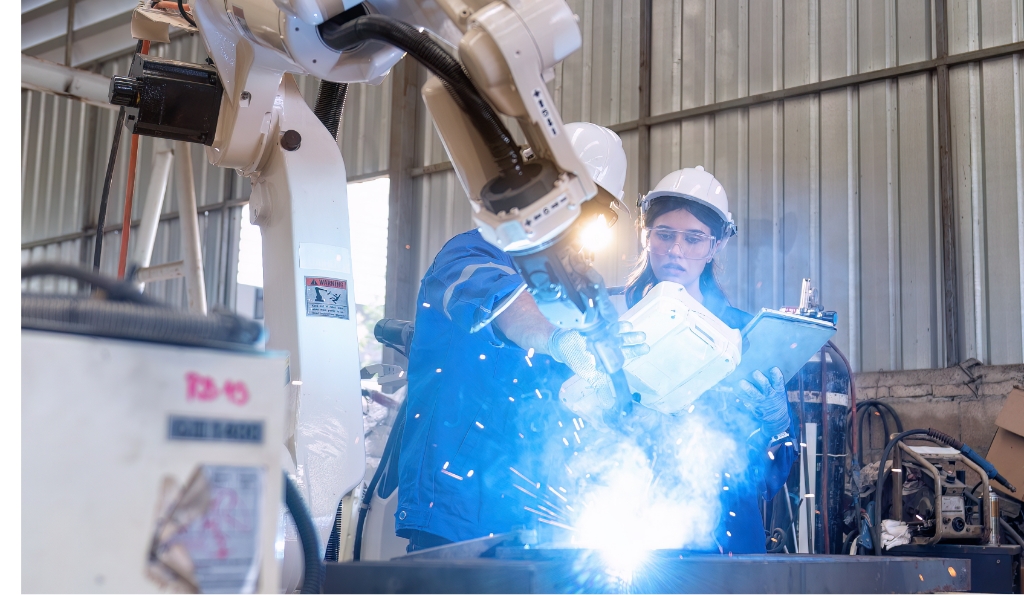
(693, 183)
(601, 152)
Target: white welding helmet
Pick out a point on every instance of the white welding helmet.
(601, 152)
(693, 183)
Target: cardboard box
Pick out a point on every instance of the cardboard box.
(1007, 450)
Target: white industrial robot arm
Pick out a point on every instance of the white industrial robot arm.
(525, 199)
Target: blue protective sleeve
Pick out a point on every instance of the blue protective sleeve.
(469, 280)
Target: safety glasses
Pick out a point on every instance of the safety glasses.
(693, 245)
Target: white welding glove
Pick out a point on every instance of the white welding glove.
(570, 348)
(589, 393)
(768, 399)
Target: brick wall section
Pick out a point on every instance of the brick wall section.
(940, 399)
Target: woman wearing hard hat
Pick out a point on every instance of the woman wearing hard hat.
(684, 222)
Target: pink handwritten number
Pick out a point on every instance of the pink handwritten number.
(202, 388)
(236, 392)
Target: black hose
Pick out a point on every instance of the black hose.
(184, 14)
(105, 195)
(341, 33)
(115, 290)
(311, 581)
(394, 441)
(849, 540)
(780, 541)
(330, 103)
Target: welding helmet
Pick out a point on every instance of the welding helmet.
(697, 185)
(601, 152)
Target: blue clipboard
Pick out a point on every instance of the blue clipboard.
(778, 339)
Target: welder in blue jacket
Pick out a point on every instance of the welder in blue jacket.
(484, 376)
(684, 222)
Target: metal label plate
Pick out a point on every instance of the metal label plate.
(214, 430)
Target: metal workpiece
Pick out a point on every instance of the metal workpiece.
(518, 570)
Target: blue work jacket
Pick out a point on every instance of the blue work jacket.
(478, 407)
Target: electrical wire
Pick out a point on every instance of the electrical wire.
(344, 34)
(825, 448)
(184, 14)
(1011, 533)
(394, 442)
(101, 217)
(129, 192)
(114, 290)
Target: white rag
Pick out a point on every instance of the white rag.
(894, 533)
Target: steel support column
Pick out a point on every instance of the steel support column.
(947, 207)
(643, 174)
(402, 280)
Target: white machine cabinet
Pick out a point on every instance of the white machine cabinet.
(149, 467)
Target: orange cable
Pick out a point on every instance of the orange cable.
(129, 194)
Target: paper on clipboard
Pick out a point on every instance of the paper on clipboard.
(779, 339)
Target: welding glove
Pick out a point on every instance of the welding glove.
(768, 399)
(570, 348)
(589, 393)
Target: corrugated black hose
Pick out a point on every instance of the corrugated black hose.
(330, 104)
(341, 33)
(312, 582)
(127, 314)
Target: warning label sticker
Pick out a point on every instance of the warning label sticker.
(327, 297)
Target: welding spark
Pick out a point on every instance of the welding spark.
(692, 407)
(524, 490)
(438, 370)
(469, 473)
(528, 362)
(771, 455)
(426, 305)
(576, 424)
(482, 356)
(577, 438)
(731, 513)
(539, 396)
(511, 399)
(552, 490)
(557, 524)
(445, 465)
(479, 425)
(550, 512)
(523, 477)
(446, 472)
(565, 441)
(560, 423)
(530, 352)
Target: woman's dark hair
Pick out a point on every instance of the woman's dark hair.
(642, 279)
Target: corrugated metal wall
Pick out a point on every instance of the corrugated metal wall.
(841, 186)
(65, 145)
